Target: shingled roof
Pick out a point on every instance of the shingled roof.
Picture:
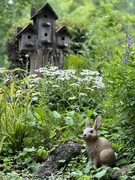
(29, 26)
(63, 28)
(46, 6)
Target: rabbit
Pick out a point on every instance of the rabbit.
(99, 150)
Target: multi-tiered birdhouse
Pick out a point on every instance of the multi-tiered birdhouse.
(42, 40)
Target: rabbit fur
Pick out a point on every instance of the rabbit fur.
(99, 150)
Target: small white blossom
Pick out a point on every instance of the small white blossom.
(82, 95)
(61, 79)
(67, 77)
(26, 55)
(34, 98)
(89, 89)
(74, 84)
(33, 75)
(87, 72)
(36, 93)
(72, 98)
(55, 86)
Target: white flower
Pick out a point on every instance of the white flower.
(55, 86)
(74, 84)
(87, 78)
(34, 98)
(67, 77)
(70, 71)
(72, 98)
(33, 75)
(19, 92)
(59, 78)
(82, 95)
(89, 89)
(26, 55)
(36, 93)
(87, 72)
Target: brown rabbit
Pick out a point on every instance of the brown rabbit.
(100, 150)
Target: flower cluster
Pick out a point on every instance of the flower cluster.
(70, 75)
(127, 52)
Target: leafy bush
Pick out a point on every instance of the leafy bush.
(67, 90)
(46, 106)
(120, 103)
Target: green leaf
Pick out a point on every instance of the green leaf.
(69, 121)
(29, 149)
(39, 112)
(2, 142)
(87, 170)
(100, 174)
(121, 162)
(84, 177)
(68, 135)
(56, 115)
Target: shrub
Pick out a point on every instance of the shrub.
(67, 90)
(120, 103)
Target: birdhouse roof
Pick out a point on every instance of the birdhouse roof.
(43, 9)
(25, 29)
(62, 29)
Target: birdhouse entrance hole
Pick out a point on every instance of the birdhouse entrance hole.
(63, 38)
(45, 34)
(45, 16)
(29, 36)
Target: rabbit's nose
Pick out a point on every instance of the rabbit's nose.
(84, 135)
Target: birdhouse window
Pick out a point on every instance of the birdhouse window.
(45, 16)
(29, 36)
(63, 38)
(45, 34)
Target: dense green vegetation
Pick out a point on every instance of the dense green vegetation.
(37, 113)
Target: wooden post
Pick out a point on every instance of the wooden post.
(32, 61)
(38, 62)
(61, 59)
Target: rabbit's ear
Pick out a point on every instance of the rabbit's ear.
(97, 122)
(87, 124)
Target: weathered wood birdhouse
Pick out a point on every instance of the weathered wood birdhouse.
(44, 22)
(27, 38)
(46, 45)
(63, 38)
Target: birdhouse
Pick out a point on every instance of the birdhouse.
(63, 38)
(44, 23)
(27, 38)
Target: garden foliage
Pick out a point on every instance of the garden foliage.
(41, 110)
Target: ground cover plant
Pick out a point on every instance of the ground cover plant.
(54, 107)
(37, 105)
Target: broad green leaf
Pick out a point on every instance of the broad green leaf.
(56, 115)
(29, 149)
(100, 174)
(69, 121)
(68, 135)
(39, 112)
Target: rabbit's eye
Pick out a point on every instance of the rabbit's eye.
(91, 131)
